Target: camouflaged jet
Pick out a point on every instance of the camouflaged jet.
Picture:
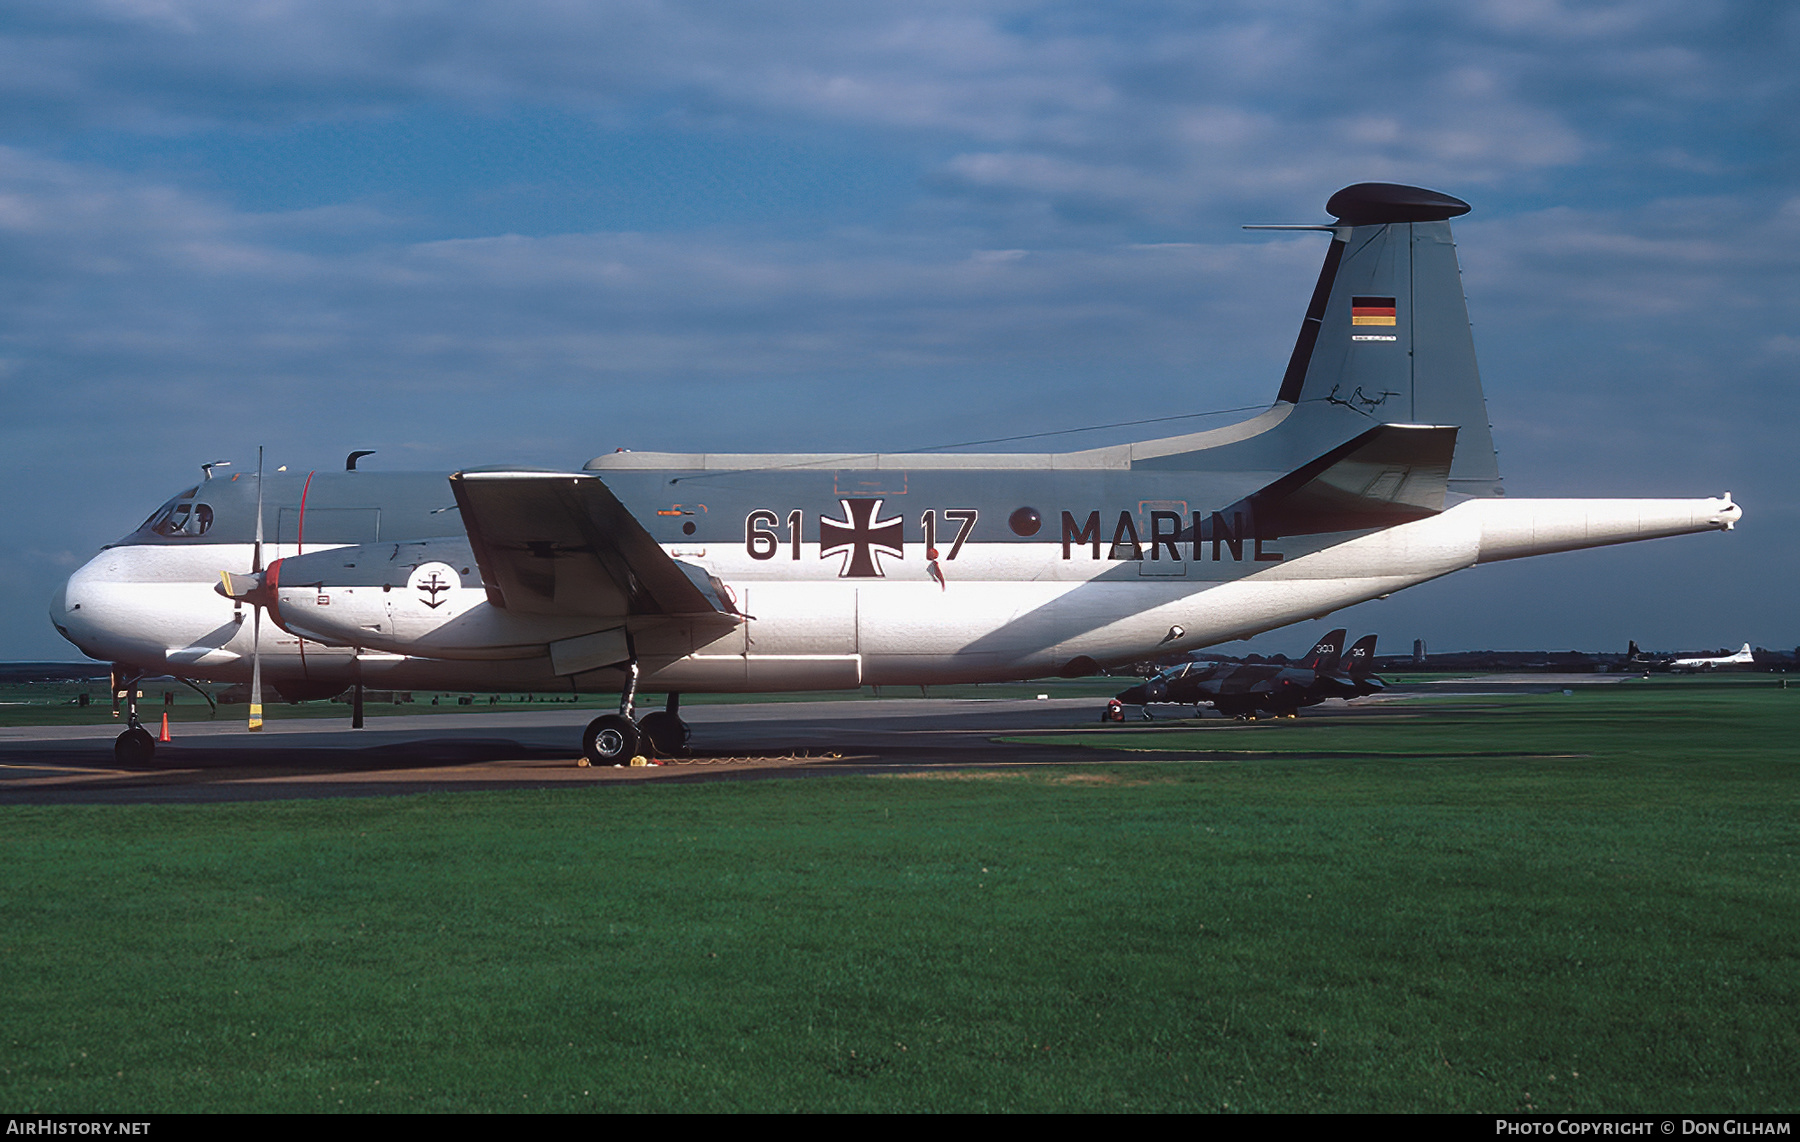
(1372, 470)
(1246, 689)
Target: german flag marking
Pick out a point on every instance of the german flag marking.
(1372, 311)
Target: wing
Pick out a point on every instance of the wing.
(560, 543)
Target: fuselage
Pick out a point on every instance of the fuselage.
(847, 571)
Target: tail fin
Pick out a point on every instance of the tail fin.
(1323, 657)
(1361, 658)
(1387, 334)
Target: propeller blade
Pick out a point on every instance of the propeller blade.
(256, 718)
(256, 557)
(256, 567)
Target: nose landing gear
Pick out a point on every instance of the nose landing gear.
(137, 745)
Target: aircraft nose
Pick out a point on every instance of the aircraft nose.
(78, 611)
(64, 615)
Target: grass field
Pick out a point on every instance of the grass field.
(1581, 903)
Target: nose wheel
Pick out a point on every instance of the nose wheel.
(136, 746)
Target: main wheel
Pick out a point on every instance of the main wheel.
(609, 740)
(134, 747)
(667, 734)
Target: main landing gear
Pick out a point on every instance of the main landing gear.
(610, 739)
(667, 734)
(614, 739)
(137, 745)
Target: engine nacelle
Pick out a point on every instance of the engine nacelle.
(424, 599)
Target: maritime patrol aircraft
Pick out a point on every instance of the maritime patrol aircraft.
(1373, 470)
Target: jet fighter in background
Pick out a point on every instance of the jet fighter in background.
(1246, 690)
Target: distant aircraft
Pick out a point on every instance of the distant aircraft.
(1372, 471)
(1245, 690)
(1724, 661)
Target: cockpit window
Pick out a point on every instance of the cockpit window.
(181, 516)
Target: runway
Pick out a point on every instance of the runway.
(217, 761)
(417, 753)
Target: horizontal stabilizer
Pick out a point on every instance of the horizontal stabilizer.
(562, 543)
(1391, 474)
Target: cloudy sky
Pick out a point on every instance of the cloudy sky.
(464, 233)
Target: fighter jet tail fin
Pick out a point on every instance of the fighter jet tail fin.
(1323, 657)
(1360, 659)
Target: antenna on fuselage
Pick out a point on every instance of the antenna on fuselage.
(206, 469)
(350, 460)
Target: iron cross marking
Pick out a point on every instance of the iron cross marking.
(861, 534)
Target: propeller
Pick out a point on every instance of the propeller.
(256, 568)
(258, 589)
(251, 589)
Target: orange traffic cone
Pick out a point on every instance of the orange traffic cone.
(164, 736)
